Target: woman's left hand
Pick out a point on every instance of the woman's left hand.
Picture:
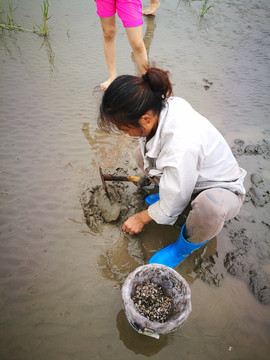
(135, 223)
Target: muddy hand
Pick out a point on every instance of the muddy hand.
(135, 223)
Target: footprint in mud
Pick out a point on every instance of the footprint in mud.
(205, 269)
(207, 84)
(202, 265)
(259, 191)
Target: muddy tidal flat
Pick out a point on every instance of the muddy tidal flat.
(63, 255)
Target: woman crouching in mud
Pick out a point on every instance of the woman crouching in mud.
(182, 152)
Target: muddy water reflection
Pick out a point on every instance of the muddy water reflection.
(149, 33)
(50, 54)
(137, 343)
(121, 258)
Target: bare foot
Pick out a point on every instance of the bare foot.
(151, 10)
(107, 83)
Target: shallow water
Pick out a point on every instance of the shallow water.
(60, 280)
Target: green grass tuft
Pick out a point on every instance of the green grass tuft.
(205, 8)
(43, 29)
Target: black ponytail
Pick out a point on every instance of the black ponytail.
(129, 97)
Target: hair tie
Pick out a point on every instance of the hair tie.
(145, 77)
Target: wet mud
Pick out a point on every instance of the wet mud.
(247, 260)
(120, 258)
(100, 207)
(63, 261)
(248, 232)
(126, 253)
(206, 270)
(123, 201)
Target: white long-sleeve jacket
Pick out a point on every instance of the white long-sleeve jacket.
(189, 155)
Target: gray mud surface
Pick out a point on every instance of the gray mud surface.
(61, 264)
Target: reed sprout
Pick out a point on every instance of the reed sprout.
(205, 8)
(10, 16)
(43, 30)
(10, 23)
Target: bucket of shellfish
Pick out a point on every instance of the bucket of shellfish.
(156, 299)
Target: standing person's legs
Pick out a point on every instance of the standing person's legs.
(130, 12)
(109, 31)
(152, 8)
(135, 38)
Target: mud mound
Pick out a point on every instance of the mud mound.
(240, 148)
(99, 209)
(250, 234)
(240, 262)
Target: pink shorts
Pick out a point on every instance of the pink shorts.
(129, 11)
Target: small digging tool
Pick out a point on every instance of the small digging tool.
(109, 177)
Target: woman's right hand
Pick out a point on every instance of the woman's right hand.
(135, 223)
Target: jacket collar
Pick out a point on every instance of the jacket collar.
(153, 146)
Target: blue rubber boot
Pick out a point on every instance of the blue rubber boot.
(173, 254)
(151, 199)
